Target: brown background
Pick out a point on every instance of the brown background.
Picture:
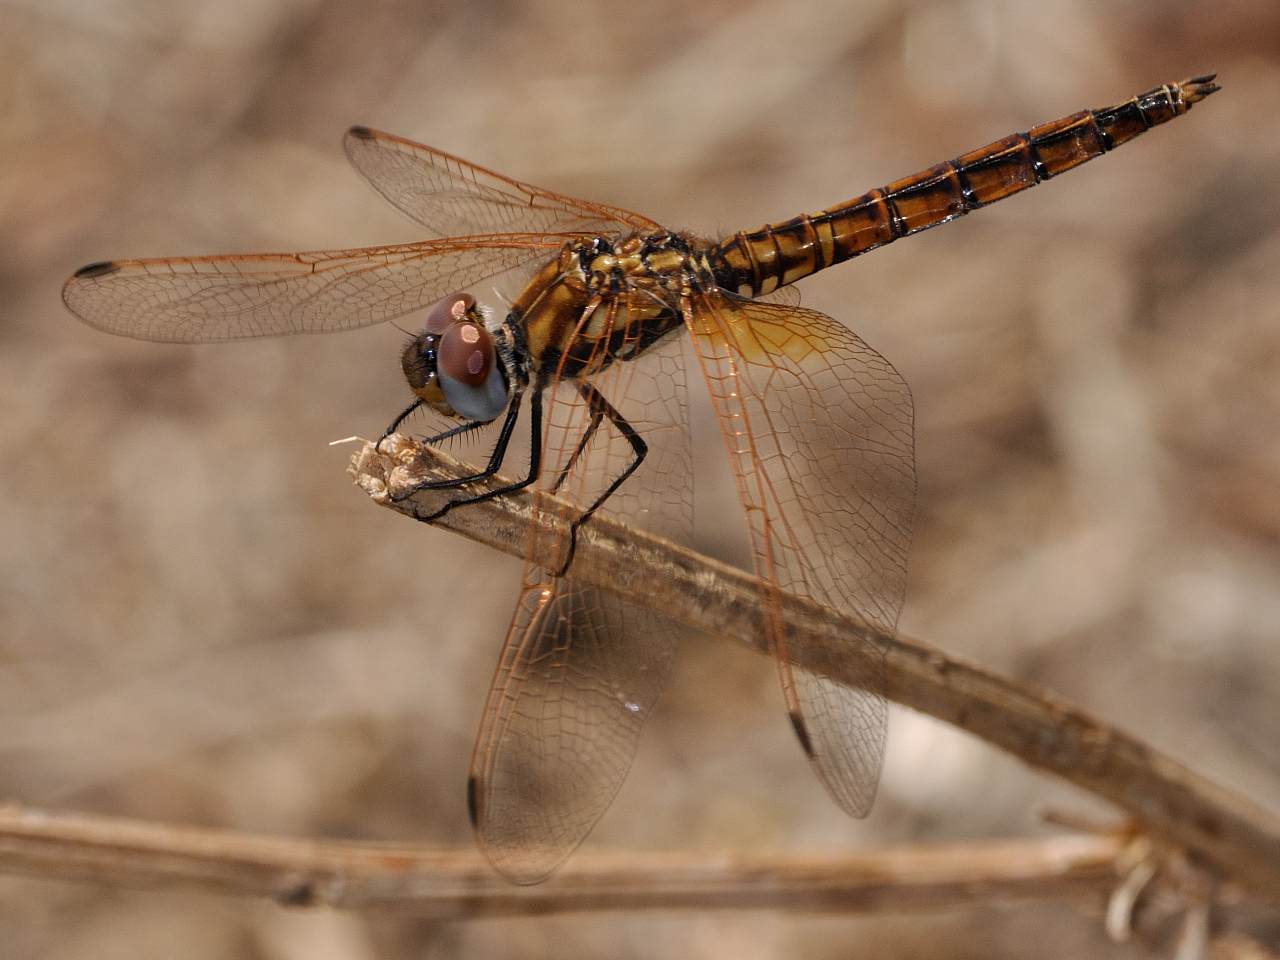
(201, 621)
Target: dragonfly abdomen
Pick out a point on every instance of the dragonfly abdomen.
(756, 262)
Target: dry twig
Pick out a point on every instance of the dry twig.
(461, 884)
(1234, 837)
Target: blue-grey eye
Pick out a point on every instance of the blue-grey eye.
(473, 381)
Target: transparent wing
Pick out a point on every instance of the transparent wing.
(788, 296)
(448, 195)
(581, 669)
(196, 299)
(819, 431)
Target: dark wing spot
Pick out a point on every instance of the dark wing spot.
(473, 801)
(300, 894)
(363, 133)
(98, 269)
(802, 733)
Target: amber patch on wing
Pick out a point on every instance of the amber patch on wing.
(757, 335)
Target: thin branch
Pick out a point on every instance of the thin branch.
(461, 884)
(1231, 835)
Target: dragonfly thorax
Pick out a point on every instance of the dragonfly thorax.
(663, 261)
(606, 299)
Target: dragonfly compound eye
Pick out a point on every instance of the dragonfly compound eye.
(473, 381)
(465, 354)
(448, 311)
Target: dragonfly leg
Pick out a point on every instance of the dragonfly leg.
(455, 431)
(597, 415)
(535, 460)
(600, 407)
(396, 422)
(495, 458)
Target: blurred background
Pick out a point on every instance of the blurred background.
(202, 621)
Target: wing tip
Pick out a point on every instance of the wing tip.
(99, 268)
(361, 132)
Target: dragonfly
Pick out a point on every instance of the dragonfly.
(614, 310)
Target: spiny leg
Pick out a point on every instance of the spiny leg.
(435, 438)
(396, 422)
(456, 431)
(597, 415)
(535, 460)
(495, 457)
(600, 407)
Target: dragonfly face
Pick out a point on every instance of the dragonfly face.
(817, 427)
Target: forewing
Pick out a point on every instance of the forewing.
(582, 668)
(198, 299)
(448, 195)
(819, 432)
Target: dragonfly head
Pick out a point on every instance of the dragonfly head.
(454, 365)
